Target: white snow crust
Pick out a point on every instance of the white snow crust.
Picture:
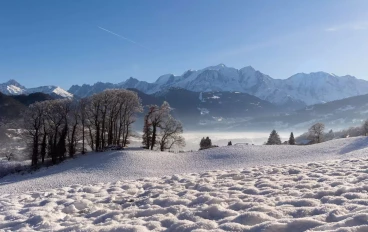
(238, 188)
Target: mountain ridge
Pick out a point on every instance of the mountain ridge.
(12, 87)
(298, 90)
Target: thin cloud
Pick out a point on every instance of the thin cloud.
(356, 26)
(332, 29)
(125, 38)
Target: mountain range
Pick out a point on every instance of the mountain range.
(300, 89)
(12, 87)
(230, 111)
(296, 91)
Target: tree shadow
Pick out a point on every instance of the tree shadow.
(82, 163)
(358, 144)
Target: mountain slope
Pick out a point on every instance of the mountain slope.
(297, 91)
(194, 108)
(10, 108)
(32, 98)
(336, 115)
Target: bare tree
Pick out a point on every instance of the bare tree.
(170, 133)
(94, 121)
(316, 132)
(57, 112)
(147, 129)
(130, 105)
(33, 119)
(156, 118)
(82, 114)
(73, 118)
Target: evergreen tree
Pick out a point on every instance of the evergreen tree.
(274, 138)
(205, 143)
(208, 142)
(291, 139)
(147, 133)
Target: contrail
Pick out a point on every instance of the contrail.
(122, 37)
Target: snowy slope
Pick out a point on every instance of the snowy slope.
(132, 164)
(301, 88)
(298, 192)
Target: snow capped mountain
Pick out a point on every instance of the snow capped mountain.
(320, 87)
(88, 90)
(51, 90)
(299, 90)
(12, 87)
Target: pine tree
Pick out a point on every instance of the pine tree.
(205, 143)
(291, 139)
(274, 138)
(208, 142)
(202, 143)
(147, 133)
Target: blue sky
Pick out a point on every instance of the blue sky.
(68, 42)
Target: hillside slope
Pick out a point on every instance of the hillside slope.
(291, 189)
(135, 163)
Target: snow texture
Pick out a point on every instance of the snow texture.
(250, 188)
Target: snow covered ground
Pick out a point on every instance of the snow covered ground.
(238, 188)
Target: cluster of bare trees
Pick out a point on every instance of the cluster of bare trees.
(57, 127)
(161, 128)
(109, 116)
(316, 132)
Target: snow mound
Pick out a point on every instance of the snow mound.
(213, 200)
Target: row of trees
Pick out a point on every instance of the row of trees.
(57, 127)
(316, 134)
(161, 129)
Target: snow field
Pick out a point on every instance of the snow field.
(136, 163)
(317, 196)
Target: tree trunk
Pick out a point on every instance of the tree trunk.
(71, 143)
(35, 149)
(83, 152)
(153, 141)
(43, 147)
